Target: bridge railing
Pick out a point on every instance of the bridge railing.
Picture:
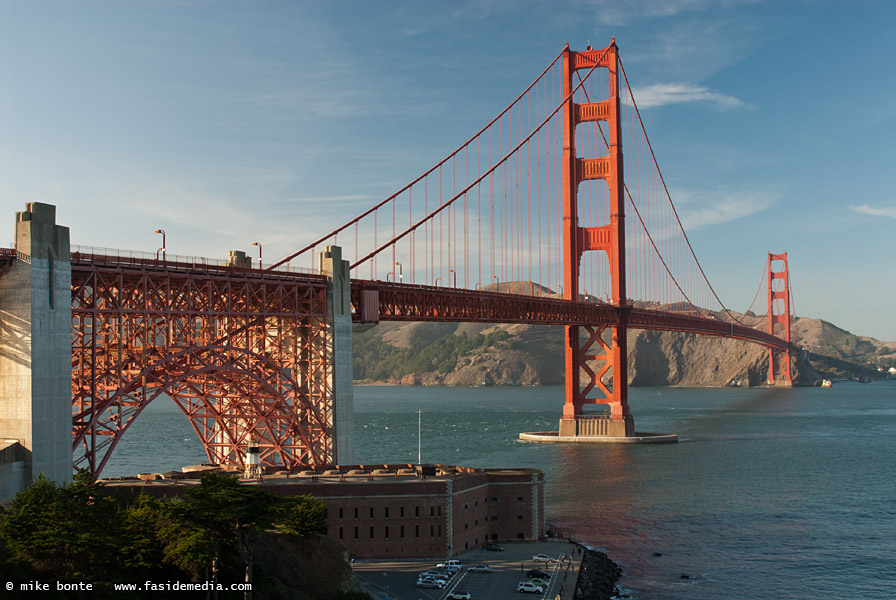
(138, 257)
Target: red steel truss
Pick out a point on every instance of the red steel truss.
(244, 356)
(374, 301)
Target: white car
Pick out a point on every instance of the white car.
(529, 587)
(430, 583)
(449, 564)
(434, 575)
(480, 569)
(456, 595)
(543, 558)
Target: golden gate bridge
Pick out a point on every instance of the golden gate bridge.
(539, 217)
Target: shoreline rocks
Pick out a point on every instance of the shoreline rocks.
(597, 577)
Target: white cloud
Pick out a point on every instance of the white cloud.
(705, 209)
(662, 94)
(611, 12)
(877, 212)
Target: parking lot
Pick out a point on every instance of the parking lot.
(396, 579)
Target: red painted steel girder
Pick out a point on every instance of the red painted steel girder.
(405, 302)
(242, 353)
(655, 319)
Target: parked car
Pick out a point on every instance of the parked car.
(458, 595)
(451, 564)
(493, 548)
(543, 558)
(480, 569)
(434, 575)
(540, 573)
(529, 588)
(436, 584)
(537, 581)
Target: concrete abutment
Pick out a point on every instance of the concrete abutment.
(36, 349)
(340, 394)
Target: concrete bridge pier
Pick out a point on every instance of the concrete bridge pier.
(36, 353)
(340, 394)
(590, 426)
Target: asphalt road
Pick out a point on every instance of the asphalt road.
(386, 579)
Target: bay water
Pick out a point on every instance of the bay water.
(770, 493)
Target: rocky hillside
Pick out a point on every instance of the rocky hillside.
(475, 354)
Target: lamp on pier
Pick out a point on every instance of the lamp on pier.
(259, 252)
(162, 249)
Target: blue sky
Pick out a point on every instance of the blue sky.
(230, 122)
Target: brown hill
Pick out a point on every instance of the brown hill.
(472, 354)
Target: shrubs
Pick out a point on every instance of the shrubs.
(379, 361)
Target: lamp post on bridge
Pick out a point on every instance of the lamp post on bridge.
(455, 277)
(259, 252)
(400, 272)
(162, 249)
(388, 274)
(436, 282)
(497, 283)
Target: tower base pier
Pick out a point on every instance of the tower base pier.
(590, 429)
(553, 437)
(596, 426)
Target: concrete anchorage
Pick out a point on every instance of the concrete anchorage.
(36, 352)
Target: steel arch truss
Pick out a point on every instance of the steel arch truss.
(243, 357)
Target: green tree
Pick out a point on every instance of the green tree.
(303, 516)
(141, 551)
(69, 531)
(212, 518)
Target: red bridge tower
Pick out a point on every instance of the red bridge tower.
(779, 314)
(597, 357)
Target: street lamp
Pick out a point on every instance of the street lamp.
(162, 249)
(400, 272)
(259, 252)
(436, 282)
(389, 273)
(455, 276)
(497, 283)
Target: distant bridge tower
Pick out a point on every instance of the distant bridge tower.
(597, 357)
(779, 315)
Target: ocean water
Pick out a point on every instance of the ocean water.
(768, 494)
